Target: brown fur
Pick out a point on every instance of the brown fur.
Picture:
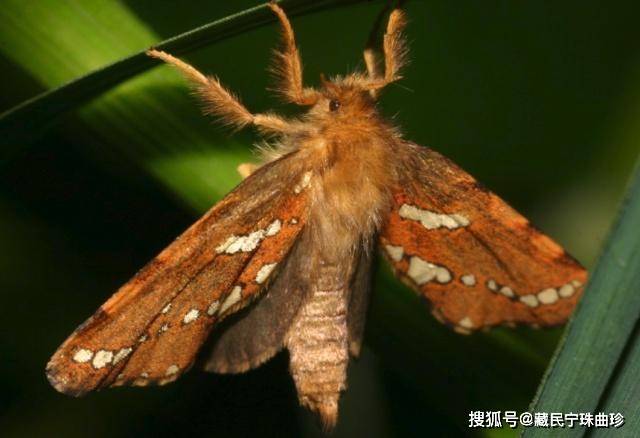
(347, 148)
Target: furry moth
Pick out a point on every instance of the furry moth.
(292, 245)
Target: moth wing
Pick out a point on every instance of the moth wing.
(254, 337)
(359, 300)
(150, 330)
(476, 260)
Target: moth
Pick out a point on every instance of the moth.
(289, 250)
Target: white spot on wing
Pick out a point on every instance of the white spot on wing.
(166, 308)
(173, 369)
(142, 338)
(566, 291)
(576, 283)
(223, 247)
(83, 355)
(461, 220)
(507, 291)
(468, 280)
(246, 243)
(548, 296)
(163, 328)
(466, 323)
(395, 252)
(274, 228)
(503, 290)
(191, 316)
(431, 220)
(102, 359)
(529, 300)
(232, 299)
(264, 272)
(213, 307)
(422, 271)
(121, 354)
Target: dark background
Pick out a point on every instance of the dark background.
(539, 100)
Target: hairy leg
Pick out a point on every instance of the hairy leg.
(287, 66)
(223, 104)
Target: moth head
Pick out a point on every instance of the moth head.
(385, 55)
(342, 98)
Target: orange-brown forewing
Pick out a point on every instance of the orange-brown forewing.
(477, 261)
(150, 331)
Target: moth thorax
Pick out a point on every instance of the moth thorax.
(318, 346)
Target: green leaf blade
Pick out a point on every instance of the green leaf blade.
(40, 110)
(604, 323)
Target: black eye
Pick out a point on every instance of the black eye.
(334, 105)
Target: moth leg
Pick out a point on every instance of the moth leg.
(287, 66)
(221, 102)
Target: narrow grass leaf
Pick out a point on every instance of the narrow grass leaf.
(603, 326)
(22, 122)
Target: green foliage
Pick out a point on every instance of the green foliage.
(87, 201)
(596, 367)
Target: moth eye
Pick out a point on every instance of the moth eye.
(334, 105)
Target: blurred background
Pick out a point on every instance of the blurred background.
(540, 101)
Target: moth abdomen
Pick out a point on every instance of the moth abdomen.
(318, 344)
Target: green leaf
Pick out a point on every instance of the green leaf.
(177, 153)
(597, 365)
(24, 121)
